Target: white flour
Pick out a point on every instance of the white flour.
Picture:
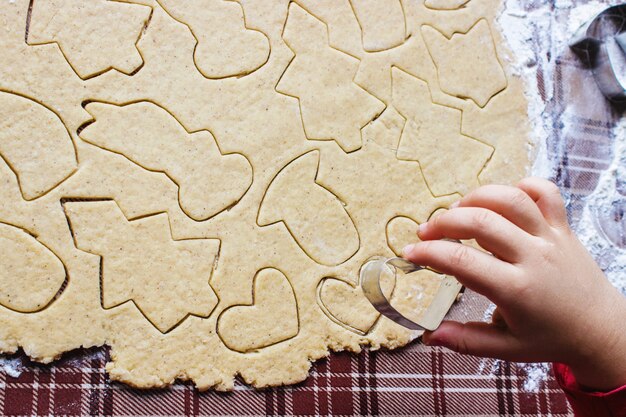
(534, 37)
(520, 29)
(536, 374)
(602, 228)
(11, 366)
(79, 359)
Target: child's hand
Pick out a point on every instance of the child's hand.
(554, 303)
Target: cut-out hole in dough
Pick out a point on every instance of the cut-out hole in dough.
(481, 76)
(35, 144)
(166, 279)
(31, 275)
(94, 36)
(225, 46)
(152, 138)
(272, 317)
(333, 107)
(314, 216)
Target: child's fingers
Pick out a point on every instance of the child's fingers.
(473, 338)
(497, 319)
(548, 198)
(512, 203)
(476, 270)
(492, 231)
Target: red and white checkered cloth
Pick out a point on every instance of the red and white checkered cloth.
(413, 381)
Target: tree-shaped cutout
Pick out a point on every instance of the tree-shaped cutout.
(94, 36)
(450, 161)
(167, 279)
(333, 107)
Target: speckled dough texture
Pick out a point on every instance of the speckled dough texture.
(196, 184)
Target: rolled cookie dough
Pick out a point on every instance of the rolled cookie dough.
(207, 210)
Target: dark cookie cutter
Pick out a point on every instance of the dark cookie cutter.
(590, 45)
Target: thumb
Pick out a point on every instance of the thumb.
(473, 338)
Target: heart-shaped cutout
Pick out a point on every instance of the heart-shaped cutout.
(401, 231)
(271, 318)
(346, 305)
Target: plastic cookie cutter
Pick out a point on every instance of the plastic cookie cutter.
(371, 273)
(601, 45)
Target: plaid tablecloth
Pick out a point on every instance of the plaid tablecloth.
(413, 381)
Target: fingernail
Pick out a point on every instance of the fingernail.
(433, 341)
(407, 250)
(455, 204)
(422, 228)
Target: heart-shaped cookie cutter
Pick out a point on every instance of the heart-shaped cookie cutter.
(371, 273)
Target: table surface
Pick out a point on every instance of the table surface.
(413, 381)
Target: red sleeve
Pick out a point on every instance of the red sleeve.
(586, 403)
